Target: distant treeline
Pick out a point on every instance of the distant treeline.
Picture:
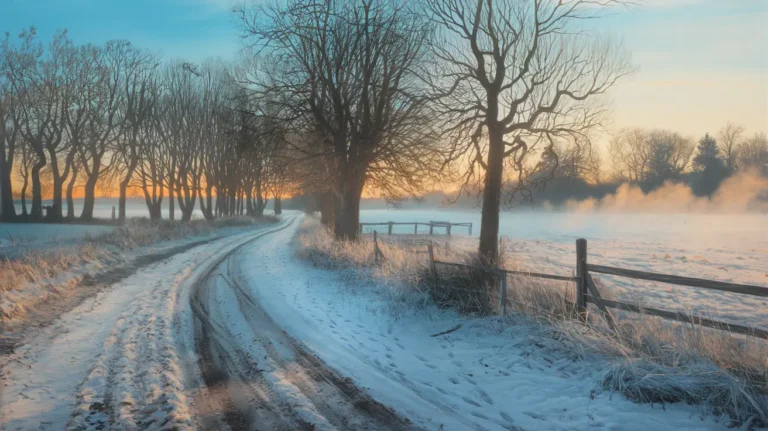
(642, 158)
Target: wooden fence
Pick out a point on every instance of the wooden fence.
(587, 291)
(432, 225)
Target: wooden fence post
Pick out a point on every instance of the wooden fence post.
(432, 265)
(503, 292)
(581, 274)
(448, 229)
(431, 226)
(113, 212)
(415, 228)
(389, 230)
(375, 248)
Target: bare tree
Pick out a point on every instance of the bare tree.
(23, 169)
(730, 137)
(104, 120)
(153, 156)
(515, 75)
(36, 103)
(671, 155)
(630, 154)
(80, 85)
(348, 69)
(9, 134)
(139, 100)
(753, 153)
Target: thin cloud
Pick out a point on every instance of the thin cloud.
(667, 3)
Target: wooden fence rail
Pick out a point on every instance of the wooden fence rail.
(587, 291)
(432, 225)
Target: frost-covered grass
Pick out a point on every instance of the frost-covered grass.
(36, 274)
(654, 361)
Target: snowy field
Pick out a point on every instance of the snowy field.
(134, 207)
(725, 247)
(19, 237)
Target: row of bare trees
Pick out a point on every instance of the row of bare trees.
(336, 98)
(97, 116)
(389, 96)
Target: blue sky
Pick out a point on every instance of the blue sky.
(193, 29)
(702, 62)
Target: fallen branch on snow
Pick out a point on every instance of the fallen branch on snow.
(447, 332)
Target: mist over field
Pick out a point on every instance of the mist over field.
(744, 192)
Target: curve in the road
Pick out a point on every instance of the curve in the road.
(264, 379)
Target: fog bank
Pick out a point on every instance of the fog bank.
(743, 192)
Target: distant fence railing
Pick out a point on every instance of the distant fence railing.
(432, 225)
(587, 291)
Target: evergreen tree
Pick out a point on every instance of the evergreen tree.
(709, 167)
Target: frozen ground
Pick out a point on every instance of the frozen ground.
(725, 247)
(238, 334)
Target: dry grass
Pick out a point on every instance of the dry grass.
(653, 360)
(141, 232)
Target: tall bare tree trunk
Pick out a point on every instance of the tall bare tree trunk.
(258, 209)
(347, 223)
(89, 200)
(206, 204)
(70, 192)
(7, 208)
(171, 204)
(249, 201)
(489, 225)
(327, 206)
(58, 185)
(131, 168)
(24, 197)
(232, 201)
(37, 196)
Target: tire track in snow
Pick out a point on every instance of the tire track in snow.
(144, 384)
(257, 377)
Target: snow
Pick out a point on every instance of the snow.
(132, 346)
(18, 237)
(724, 247)
(120, 344)
(486, 375)
(135, 207)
